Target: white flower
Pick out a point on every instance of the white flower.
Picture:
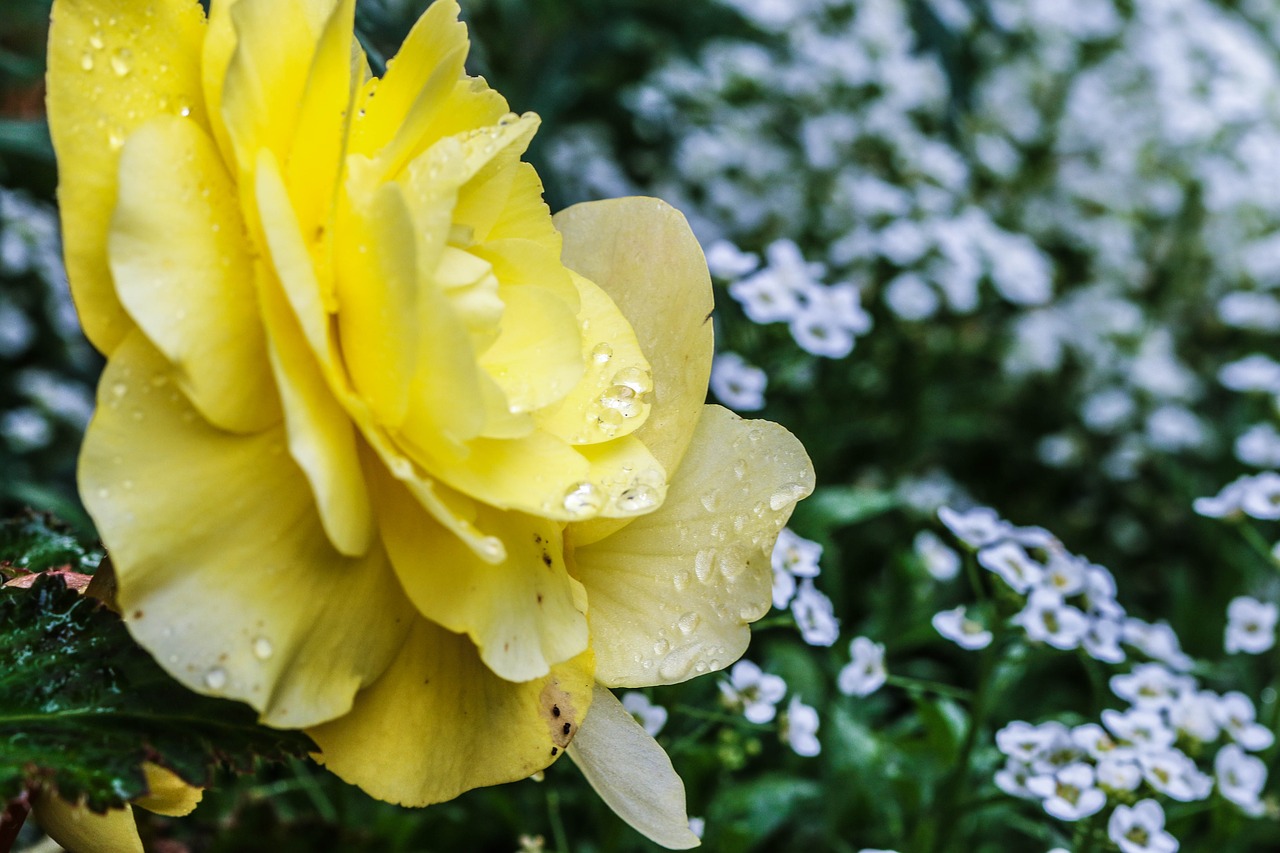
(735, 383)
(1175, 775)
(1252, 373)
(1158, 642)
(765, 298)
(966, 633)
(1259, 446)
(727, 261)
(1226, 502)
(1151, 685)
(1012, 563)
(1260, 497)
(1251, 625)
(1069, 794)
(652, 717)
(819, 332)
(814, 615)
(1050, 620)
(1013, 778)
(800, 728)
(1145, 731)
(976, 527)
(784, 587)
(1194, 713)
(1094, 740)
(1236, 714)
(1102, 640)
(911, 298)
(939, 560)
(754, 691)
(1140, 829)
(796, 555)
(1117, 773)
(865, 673)
(1241, 778)
(698, 826)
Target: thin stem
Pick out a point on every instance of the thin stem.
(923, 685)
(557, 825)
(1257, 543)
(307, 782)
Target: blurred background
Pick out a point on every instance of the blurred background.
(1015, 253)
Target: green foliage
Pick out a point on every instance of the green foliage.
(82, 707)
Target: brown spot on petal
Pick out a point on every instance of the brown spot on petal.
(560, 712)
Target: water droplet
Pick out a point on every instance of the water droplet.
(95, 40)
(262, 648)
(116, 140)
(711, 500)
(688, 623)
(184, 110)
(790, 493)
(602, 353)
(740, 468)
(634, 378)
(680, 581)
(119, 389)
(216, 678)
(661, 647)
(584, 499)
(104, 493)
(703, 563)
(622, 399)
(637, 499)
(86, 62)
(122, 61)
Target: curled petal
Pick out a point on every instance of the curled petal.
(632, 773)
(167, 794)
(439, 722)
(79, 830)
(681, 584)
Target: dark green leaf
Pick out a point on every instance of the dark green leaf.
(37, 543)
(82, 707)
(28, 138)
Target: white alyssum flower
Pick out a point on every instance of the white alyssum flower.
(1145, 731)
(1226, 502)
(865, 672)
(738, 385)
(754, 691)
(1102, 640)
(793, 557)
(1151, 685)
(1013, 564)
(1140, 829)
(800, 728)
(727, 261)
(1241, 778)
(1237, 716)
(1048, 619)
(956, 626)
(652, 717)
(1259, 446)
(1173, 774)
(1069, 794)
(1260, 497)
(1157, 641)
(1251, 625)
(976, 527)
(814, 615)
(1251, 373)
(939, 560)
(1194, 714)
(1117, 773)
(1013, 778)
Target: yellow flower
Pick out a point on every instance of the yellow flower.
(380, 449)
(81, 831)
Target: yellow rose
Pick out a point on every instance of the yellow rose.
(379, 451)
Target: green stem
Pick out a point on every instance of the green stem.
(923, 685)
(719, 717)
(557, 825)
(1257, 543)
(307, 782)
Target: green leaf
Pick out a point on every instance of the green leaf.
(748, 813)
(832, 507)
(82, 707)
(28, 138)
(37, 543)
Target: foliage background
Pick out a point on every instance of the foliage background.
(921, 413)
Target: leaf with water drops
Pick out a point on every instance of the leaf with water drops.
(82, 707)
(37, 543)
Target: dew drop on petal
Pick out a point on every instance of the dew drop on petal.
(788, 494)
(491, 549)
(661, 647)
(86, 62)
(216, 678)
(95, 40)
(688, 623)
(680, 581)
(703, 564)
(638, 498)
(262, 648)
(602, 353)
(584, 499)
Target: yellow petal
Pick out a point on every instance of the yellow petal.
(225, 572)
(537, 358)
(178, 253)
(641, 252)
(396, 124)
(79, 830)
(439, 722)
(686, 580)
(631, 773)
(612, 398)
(104, 82)
(266, 77)
(524, 614)
(166, 793)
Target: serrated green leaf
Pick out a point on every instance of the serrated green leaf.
(82, 707)
(37, 543)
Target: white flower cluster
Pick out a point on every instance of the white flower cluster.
(738, 385)
(865, 673)
(795, 565)
(1143, 750)
(31, 253)
(757, 694)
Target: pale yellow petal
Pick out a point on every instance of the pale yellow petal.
(632, 773)
(524, 614)
(104, 82)
(678, 587)
(396, 123)
(439, 722)
(225, 573)
(612, 397)
(537, 358)
(166, 793)
(79, 830)
(641, 252)
(178, 252)
(266, 78)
